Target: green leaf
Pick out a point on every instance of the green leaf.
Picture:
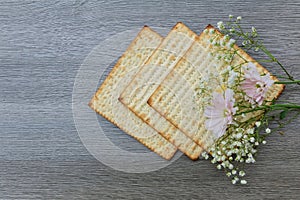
(282, 115)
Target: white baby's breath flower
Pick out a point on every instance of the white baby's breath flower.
(213, 154)
(254, 32)
(229, 153)
(226, 163)
(253, 151)
(243, 182)
(230, 16)
(205, 155)
(219, 166)
(264, 142)
(239, 18)
(257, 124)
(222, 42)
(211, 31)
(230, 43)
(223, 142)
(242, 173)
(221, 25)
(233, 181)
(232, 77)
(250, 130)
(256, 143)
(223, 164)
(238, 136)
(223, 158)
(229, 68)
(233, 171)
(245, 42)
(226, 38)
(268, 130)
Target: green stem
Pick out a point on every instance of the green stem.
(282, 77)
(284, 106)
(268, 53)
(271, 107)
(287, 82)
(265, 60)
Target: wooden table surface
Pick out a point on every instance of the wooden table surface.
(42, 47)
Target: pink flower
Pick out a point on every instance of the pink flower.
(255, 86)
(220, 113)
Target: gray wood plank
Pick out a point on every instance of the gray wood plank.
(42, 45)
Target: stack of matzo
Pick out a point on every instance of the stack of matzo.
(149, 93)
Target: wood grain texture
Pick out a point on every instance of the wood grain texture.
(42, 45)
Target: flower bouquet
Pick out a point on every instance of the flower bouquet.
(239, 112)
